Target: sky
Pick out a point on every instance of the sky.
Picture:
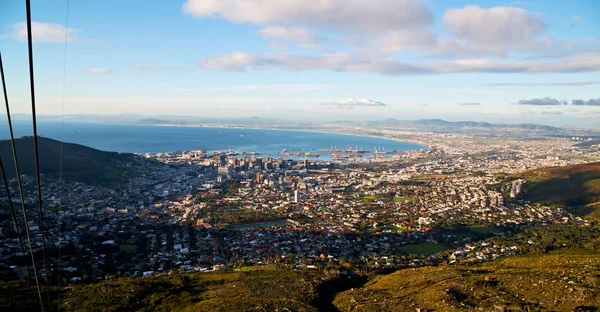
(496, 61)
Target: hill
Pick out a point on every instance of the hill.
(565, 280)
(79, 163)
(577, 188)
(451, 126)
(270, 290)
(561, 281)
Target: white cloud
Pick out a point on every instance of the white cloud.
(471, 30)
(45, 32)
(239, 61)
(381, 28)
(360, 15)
(590, 102)
(547, 101)
(98, 70)
(498, 28)
(593, 102)
(355, 102)
(301, 34)
(469, 104)
(403, 40)
(236, 61)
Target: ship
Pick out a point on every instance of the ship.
(355, 150)
(381, 150)
(231, 153)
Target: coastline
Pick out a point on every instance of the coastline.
(424, 144)
(360, 132)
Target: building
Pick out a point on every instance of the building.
(258, 178)
(297, 196)
(225, 171)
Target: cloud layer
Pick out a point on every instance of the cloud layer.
(498, 28)
(357, 15)
(301, 34)
(352, 102)
(45, 32)
(371, 32)
(548, 101)
(343, 62)
(590, 102)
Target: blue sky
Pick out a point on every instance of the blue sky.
(499, 61)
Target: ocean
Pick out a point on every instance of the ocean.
(156, 139)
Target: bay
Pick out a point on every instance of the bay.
(157, 139)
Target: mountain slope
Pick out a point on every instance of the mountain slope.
(576, 188)
(550, 282)
(565, 280)
(79, 163)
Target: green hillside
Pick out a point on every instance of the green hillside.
(281, 290)
(575, 187)
(79, 163)
(564, 281)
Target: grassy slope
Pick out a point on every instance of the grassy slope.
(268, 290)
(79, 163)
(541, 282)
(558, 281)
(575, 187)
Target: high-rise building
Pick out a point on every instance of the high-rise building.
(297, 196)
(258, 178)
(225, 171)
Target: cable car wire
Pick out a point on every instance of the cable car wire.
(35, 136)
(19, 184)
(13, 215)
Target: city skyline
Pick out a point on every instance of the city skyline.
(495, 61)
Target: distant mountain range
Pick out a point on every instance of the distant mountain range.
(422, 123)
(471, 124)
(256, 120)
(79, 163)
(435, 125)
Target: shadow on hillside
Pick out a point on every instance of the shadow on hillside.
(574, 191)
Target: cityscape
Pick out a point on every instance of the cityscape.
(300, 155)
(456, 201)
